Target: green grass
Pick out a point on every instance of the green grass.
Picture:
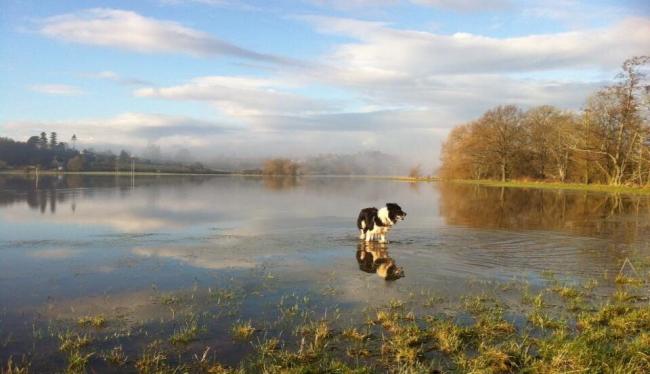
(186, 333)
(11, 367)
(93, 321)
(115, 357)
(242, 330)
(637, 190)
(551, 328)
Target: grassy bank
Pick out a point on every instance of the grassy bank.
(539, 184)
(562, 186)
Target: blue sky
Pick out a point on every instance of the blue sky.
(295, 78)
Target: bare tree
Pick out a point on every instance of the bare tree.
(551, 137)
(503, 135)
(616, 120)
(608, 143)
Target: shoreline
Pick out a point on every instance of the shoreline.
(637, 190)
(120, 173)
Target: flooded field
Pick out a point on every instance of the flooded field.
(191, 273)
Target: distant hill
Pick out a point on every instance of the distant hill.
(362, 163)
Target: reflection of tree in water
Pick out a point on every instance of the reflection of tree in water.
(415, 186)
(623, 218)
(278, 183)
(40, 199)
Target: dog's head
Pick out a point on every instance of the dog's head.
(395, 212)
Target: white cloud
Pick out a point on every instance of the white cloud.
(578, 13)
(128, 30)
(240, 96)
(453, 78)
(117, 78)
(456, 5)
(467, 5)
(385, 51)
(127, 130)
(57, 89)
(227, 4)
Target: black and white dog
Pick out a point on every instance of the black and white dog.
(375, 223)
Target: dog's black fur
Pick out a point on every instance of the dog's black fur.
(369, 218)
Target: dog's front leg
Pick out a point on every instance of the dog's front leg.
(362, 235)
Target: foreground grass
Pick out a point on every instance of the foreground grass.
(558, 328)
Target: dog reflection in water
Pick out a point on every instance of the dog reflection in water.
(374, 258)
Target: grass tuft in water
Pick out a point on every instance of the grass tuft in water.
(93, 321)
(116, 357)
(242, 330)
(11, 367)
(186, 333)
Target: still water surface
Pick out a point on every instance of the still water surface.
(86, 245)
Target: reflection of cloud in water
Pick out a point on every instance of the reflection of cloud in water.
(54, 253)
(138, 305)
(207, 258)
(115, 216)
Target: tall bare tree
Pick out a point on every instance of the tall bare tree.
(551, 136)
(503, 135)
(618, 122)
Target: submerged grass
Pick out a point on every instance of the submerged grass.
(93, 321)
(242, 330)
(562, 328)
(186, 333)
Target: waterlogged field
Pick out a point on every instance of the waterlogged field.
(219, 274)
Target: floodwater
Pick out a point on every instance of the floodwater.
(121, 247)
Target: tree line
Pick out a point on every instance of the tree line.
(607, 142)
(38, 151)
(47, 153)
